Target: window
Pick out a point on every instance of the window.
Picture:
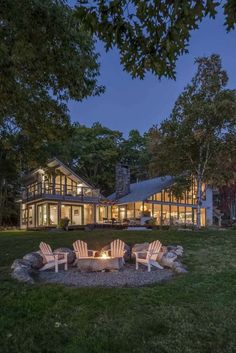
(114, 212)
(122, 212)
(130, 210)
(88, 213)
(53, 215)
(174, 215)
(24, 215)
(138, 209)
(189, 216)
(182, 215)
(157, 213)
(77, 215)
(66, 212)
(165, 214)
(203, 217)
(157, 197)
(42, 215)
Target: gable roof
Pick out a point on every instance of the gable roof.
(144, 189)
(56, 163)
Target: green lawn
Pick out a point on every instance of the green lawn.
(193, 313)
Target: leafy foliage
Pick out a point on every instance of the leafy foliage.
(150, 35)
(46, 57)
(194, 138)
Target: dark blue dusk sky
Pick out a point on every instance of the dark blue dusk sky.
(138, 104)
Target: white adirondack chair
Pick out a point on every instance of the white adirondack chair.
(117, 249)
(151, 256)
(81, 250)
(53, 259)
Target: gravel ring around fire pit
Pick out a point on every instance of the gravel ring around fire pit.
(126, 277)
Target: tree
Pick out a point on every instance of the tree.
(193, 141)
(150, 35)
(93, 153)
(134, 153)
(46, 58)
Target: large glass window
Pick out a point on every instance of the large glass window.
(23, 215)
(203, 217)
(102, 213)
(174, 215)
(122, 212)
(115, 212)
(77, 215)
(53, 215)
(157, 213)
(138, 209)
(147, 209)
(189, 216)
(66, 212)
(157, 197)
(182, 215)
(165, 214)
(88, 214)
(42, 215)
(130, 210)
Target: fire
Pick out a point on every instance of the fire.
(104, 256)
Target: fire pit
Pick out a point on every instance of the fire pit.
(101, 263)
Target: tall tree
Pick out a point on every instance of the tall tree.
(46, 58)
(93, 153)
(134, 153)
(193, 139)
(150, 35)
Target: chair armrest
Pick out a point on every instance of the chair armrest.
(136, 253)
(93, 251)
(61, 253)
(140, 252)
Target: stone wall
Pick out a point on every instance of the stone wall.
(122, 180)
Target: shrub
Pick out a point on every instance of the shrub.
(64, 222)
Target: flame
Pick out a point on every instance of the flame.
(104, 256)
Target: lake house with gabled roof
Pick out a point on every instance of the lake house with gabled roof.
(55, 192)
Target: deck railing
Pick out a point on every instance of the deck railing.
(59, 191)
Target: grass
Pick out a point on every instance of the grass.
(194, 313)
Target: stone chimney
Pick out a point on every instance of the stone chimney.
(122, 180)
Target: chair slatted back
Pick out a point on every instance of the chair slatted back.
(81, 248)
(117, 248)
(46, 251)
(153, 249)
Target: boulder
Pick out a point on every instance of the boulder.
(35, 259)
(167, 259)
(20, 263)
(22, 274)
(22, 271)
(127, 253)
(178, 268)
(71, 254)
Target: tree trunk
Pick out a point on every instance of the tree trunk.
(199, 200)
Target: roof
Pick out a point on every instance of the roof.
(56, 163)
(143, 190)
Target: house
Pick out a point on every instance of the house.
(154, 198)
(56, 192)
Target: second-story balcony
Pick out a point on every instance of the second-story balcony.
(63, 192)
